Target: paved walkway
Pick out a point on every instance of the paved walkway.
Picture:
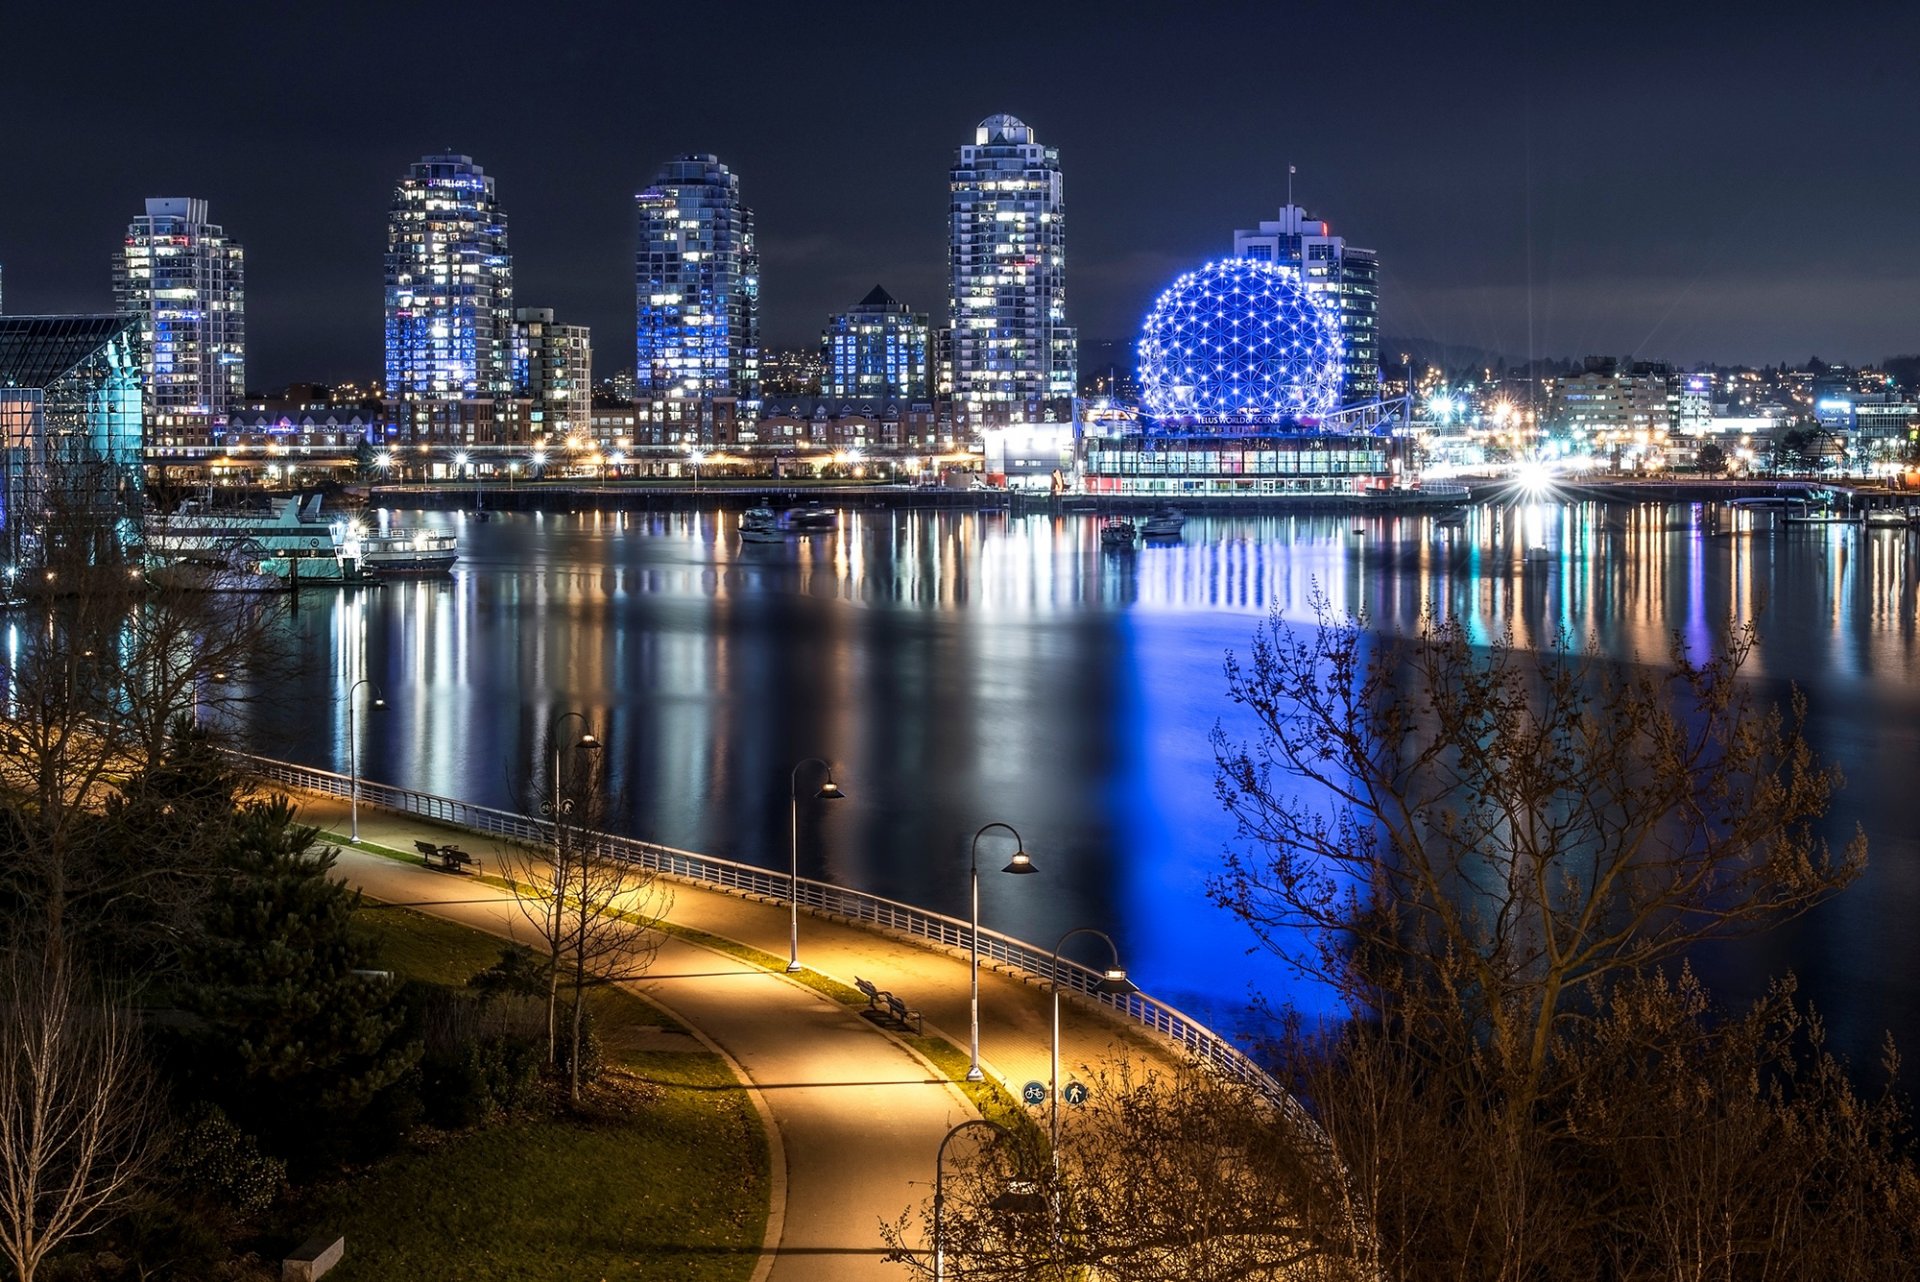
(856, 1116)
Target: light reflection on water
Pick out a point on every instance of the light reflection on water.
(960, 668)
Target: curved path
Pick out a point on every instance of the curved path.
(856, 1114)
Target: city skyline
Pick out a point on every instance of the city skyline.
(1530, 185)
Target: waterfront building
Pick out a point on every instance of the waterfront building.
(877, 348)
(1623, 417)
(553, 369)
(183, 278)
(697, 303)
(1006, 296)
(1240, 379)
(797, 425)
(449, 295)
(70, 437)
(1345, 276)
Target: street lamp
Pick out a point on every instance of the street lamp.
(829, 791)
(1018, 1196)
(1020, 863)
(586, 740)
(353, 747)
(1113, 982)
(696, 456)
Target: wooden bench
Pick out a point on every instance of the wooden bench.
(903, 1014)
(447, 858)
(875, 996)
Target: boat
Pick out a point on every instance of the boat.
(810, 518)
(1539, 552)
(1119, 533)
(1452, 519)
(415, 553)
(1766, 502)
(251, 549)
(1888, 519)
(1164, 523)
(760, 525)
(1441, 491)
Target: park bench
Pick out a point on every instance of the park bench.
(875, 996)
(903, 1014)
(448, 858)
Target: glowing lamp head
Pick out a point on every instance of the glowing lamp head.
(1114, 982)
(830, 791)
(1020, 863)
(1534, 476)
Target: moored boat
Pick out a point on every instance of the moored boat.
(407, 552)
(251, 549)
(1163, 523)
(1118, 533)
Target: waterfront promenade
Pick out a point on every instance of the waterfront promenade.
(854, 1115)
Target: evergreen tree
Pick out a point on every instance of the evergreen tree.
(295, 1045)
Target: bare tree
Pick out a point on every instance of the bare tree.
(595, 912)
(1160, 1176)
(75, 1109)
(1489, 836)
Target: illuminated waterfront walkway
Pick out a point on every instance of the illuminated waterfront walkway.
(854, 1115)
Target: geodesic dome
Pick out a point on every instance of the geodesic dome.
(1240, 341)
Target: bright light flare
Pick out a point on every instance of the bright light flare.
(1534, 476)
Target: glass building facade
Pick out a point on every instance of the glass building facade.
(877, 348)
(1007, 297)
(70, 438)
(449, 293)
(1345, 276)
(553, 369)
(697, 298)
(185, 280)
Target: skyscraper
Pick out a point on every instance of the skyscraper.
(1345, 276)
(553, 368)
(1007, 298)
(183, 278)
(449, 286)
(876, 348)
(697, 299)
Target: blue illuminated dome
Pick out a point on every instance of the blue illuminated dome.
(1239, 341)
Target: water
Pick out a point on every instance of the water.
(965, 668)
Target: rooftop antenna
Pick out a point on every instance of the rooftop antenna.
(1290, 173)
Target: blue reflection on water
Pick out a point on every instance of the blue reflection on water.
(966, 667)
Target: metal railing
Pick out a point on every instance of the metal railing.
(824, 897)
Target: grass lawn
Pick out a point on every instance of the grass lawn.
(666, 1177)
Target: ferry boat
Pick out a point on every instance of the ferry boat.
(1888, 519)
(242, 549)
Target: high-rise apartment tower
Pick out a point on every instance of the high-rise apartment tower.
(697, 298)
(449, 285)
(184, 280)
(1006, 297)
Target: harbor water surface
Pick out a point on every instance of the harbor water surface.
(960, 668)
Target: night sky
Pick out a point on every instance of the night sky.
(1665, 182)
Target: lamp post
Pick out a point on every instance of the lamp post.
(353, 748)
(586, 740)
(940, 1189)
(1020, 863)
(829, 791)
(1114, 983)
